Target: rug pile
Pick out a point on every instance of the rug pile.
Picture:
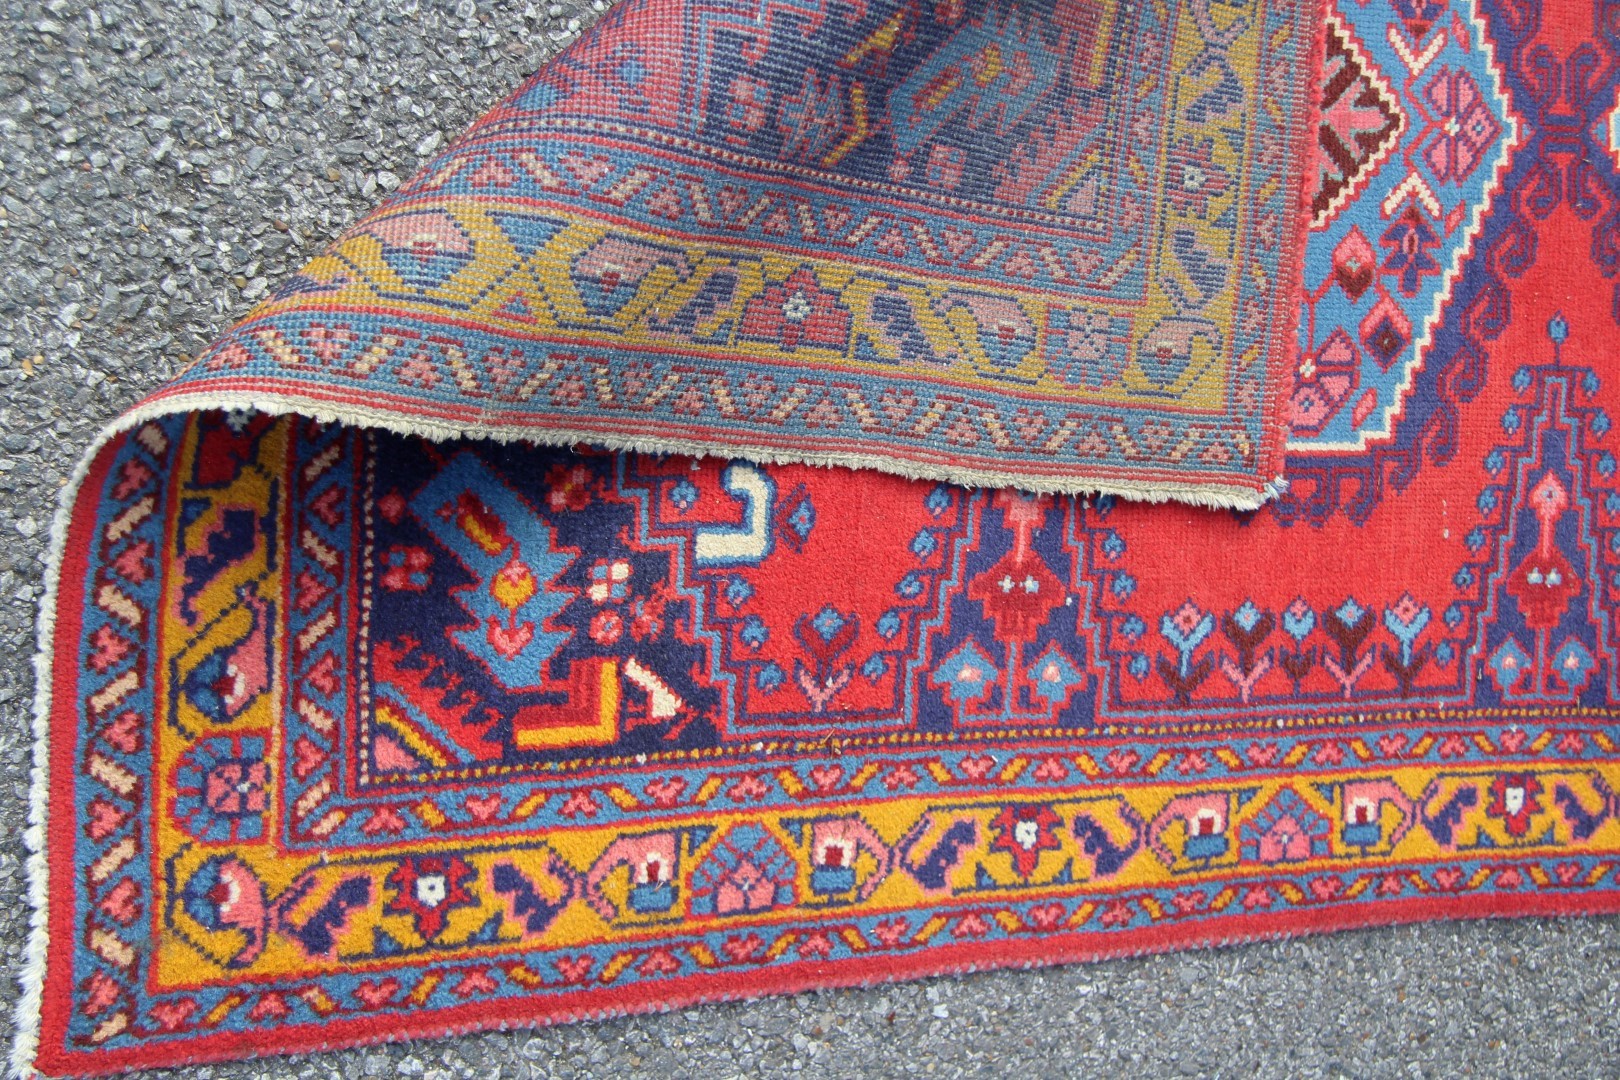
(1222, 539)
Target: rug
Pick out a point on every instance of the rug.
(1050, 245)
(348, 733)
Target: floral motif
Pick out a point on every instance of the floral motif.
(1024, 831)
(1466, 126)
(428, 889)
(1514, 799)
(222, 789)
(1194, 178)
(797, 312)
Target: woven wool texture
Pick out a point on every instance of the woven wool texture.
(353, 727)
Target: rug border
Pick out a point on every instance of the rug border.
(28, 1016)
(810, 975)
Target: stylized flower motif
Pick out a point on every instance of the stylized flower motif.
(428, 889)
(225, 894)
(1054, 675)
(328, 343)
(610, 581)
(607, 627)
(1287, 830)
(568, 487)
(1324, 381)
(1194, 178)
(797, 312)
(1514, 800)
(754, 632)
(769, 677)
(750, 103)
(1573, 664)
(1467, 126)
(1411, 241)
(1509, 664)
(513, 585)
(966, 675)
(1024, 831)
(1186, 627)
(221, 789)
(1406, 620)
(683, 494)
(405, 568)
(1086, 348)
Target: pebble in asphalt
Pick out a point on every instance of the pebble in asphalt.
(162, 164)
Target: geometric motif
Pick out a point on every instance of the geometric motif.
(1415, 134)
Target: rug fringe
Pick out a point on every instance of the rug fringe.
(1213, 496)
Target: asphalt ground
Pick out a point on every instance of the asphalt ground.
(161, 165)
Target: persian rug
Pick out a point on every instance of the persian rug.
(353, 728)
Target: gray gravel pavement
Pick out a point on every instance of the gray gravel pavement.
(161, 164)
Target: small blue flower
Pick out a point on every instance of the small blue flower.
(1463, 579)
(1510, 421)
(827, 623)
(1350, 612)
(1475, 539)
(938, 501)
(1247, 616)
(923, 544)
(1573, 665)
(1122, 585)
(966, 674)
(1494, 461)
(1522, 379)
(1054, 675)
(1139, 666)
(909, 587)
(875, 667)
(1186, 628)
(1508, 664)
(1298, 620)
(738, 591)
(1453, 616)
(754, 633)
(1487, 500)
(1406, 621)
(1558, 328)
(683, 494)
(1443, 653)
(888, 624)
(768, 678)
(1113, 545)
